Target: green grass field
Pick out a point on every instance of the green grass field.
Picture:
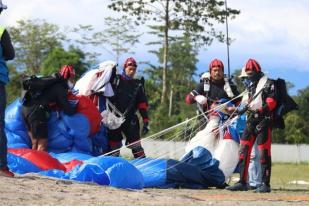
(284, 173)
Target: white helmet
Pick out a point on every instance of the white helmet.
(243, 73)
(205, 75)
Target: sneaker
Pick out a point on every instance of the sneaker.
(263, 189)
(239, 186)
(5, 172)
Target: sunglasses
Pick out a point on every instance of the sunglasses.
(131, 64)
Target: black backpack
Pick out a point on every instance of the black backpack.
(285, 103)
(34, 86)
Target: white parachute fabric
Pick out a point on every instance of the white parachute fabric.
(227, 154)
(206, 138)
(224, 150)
(97, 80)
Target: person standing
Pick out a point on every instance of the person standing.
(255, 176)
(260, 113)
(7, 52)
(213, 87)
(129, 97)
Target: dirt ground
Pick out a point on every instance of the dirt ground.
(35, 190)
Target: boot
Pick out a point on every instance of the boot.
(5, 172)
(239, 186)
(263, 189)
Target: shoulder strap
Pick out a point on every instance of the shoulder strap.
(2, 29)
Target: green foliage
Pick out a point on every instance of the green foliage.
(295, 129)
(302, 100)
(189, 18)
(13, 88)
(58, 57)
(33, 40)
(197, 18)
(182, 68)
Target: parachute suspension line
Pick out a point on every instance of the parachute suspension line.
(216, 132)
(165, 153)
(161, 133)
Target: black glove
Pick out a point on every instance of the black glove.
(145, 128)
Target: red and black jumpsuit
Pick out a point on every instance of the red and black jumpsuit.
(129, 97)
(259, 128)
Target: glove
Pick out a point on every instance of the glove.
(200, 99)
(146, 128)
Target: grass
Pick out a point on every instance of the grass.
(284, 173)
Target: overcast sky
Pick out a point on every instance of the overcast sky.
(274, 32)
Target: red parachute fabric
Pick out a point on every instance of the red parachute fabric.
(41, 159)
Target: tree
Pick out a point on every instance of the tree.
(196, 18)
(33, 40)
(120, 35)
(183, 58)
(59, 57)
(302, 100)
(13, 88)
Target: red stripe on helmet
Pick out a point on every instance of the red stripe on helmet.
(253, 65)
(67, 72)
(216, 63)
(130, 62)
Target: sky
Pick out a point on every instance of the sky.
(273, 32)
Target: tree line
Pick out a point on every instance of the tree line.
(180, 29)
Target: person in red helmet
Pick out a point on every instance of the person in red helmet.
(36, 108)
(68, 73)
(212, 87)
(129, 97)
(260, 113)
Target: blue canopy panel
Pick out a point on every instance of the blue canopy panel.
(112, 171)
(65, 133)
(153, 171)
(197, 167)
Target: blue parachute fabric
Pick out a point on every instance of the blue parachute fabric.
(18, 139)
(153, 171)
(20, 165)
(100, 142)
(81, 173)
(204, 168)
(121, 173)
(69, 156)
(59, 139)
(232, 129)
(13, 117)
(241, 124)
(65, 133)
(79, 128)
(15, 127)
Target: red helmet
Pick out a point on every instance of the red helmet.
(253, 65)
(67, 72)
(130, 62)
(216, 63)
